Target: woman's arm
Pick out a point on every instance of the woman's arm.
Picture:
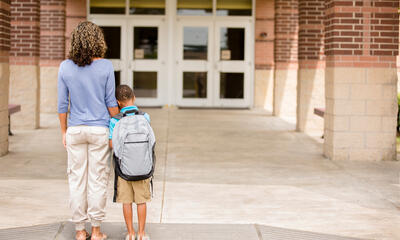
(113, 111)
(63, 125)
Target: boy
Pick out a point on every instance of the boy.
(129, 192)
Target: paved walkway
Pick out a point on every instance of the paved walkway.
(220, 168)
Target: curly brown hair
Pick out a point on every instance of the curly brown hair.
(87, 42)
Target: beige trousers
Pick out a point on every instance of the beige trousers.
(88, 173)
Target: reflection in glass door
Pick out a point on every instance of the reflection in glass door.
(147, 63)
(194, 68)
(214, 63)
(233, 64)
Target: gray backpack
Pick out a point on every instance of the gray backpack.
(133, 143)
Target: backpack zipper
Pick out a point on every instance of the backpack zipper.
(136, 142)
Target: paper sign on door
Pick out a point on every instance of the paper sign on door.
(139, 53)
(225, 54)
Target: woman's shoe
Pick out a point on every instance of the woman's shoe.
(102, 237)
(83, 236)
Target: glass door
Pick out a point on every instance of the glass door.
(194, 68)
(146, 56)
(233, 64)
(115, 37)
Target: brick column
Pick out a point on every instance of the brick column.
(286, 57)
(75, 13)
(24, 60)
(4, 73)
(361, 45)
(311, 77)
(264, 54)
(52, 50)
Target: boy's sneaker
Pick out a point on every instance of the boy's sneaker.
(132, 237)
(145, 237)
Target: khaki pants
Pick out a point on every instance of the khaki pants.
(88, 173)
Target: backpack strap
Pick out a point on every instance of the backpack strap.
(136, 112)
(119, 116)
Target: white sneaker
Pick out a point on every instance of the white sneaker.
(132, 238)
(145, 237)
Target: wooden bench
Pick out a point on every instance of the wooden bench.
(12, 108)
(319, 112)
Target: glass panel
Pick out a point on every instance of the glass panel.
(117, 75)
(195, 40)
(107, 7)
(194, 7)
(153, 7)
(145, 42)
(112, 35)
(231, 85)
(145, 84)
(232, 44)
(234, 7)
(195, 84)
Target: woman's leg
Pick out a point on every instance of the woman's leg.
(98, 175)
(77, 176)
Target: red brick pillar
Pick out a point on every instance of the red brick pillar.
(286, 57)
(361, 45)
(52, 50)
(24, 60)
(4, 73)
(75, 13)
(264, 54)
(311, 77)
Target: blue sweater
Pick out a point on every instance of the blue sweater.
(88, 91)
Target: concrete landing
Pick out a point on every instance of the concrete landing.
(219, 168)
(116, 231)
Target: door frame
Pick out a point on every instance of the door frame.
(157, 65)
(235, 66)
(193, 65)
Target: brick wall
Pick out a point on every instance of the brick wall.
(264, 34)
(286, 33)
(75, 13)
(5, 29)
(364, 32)
(52, 32)
(311, 31)
(24, 32)
(4, 77)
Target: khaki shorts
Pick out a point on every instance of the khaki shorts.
(133, 191)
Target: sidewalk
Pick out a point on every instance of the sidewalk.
(220, 168)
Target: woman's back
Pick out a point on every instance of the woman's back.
(90, 90)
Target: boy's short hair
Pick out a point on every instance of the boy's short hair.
(123, 93)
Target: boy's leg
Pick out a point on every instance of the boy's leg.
(127, 209)
(141, 212)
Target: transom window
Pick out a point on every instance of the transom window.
(183, 7)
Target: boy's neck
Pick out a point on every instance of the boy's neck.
(128, 105)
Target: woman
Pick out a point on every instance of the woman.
(86, 84)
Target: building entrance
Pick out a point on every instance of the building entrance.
(181, 53)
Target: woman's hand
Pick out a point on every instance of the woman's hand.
(63, 139)
(63, 126)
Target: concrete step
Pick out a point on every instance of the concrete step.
(164, 231)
